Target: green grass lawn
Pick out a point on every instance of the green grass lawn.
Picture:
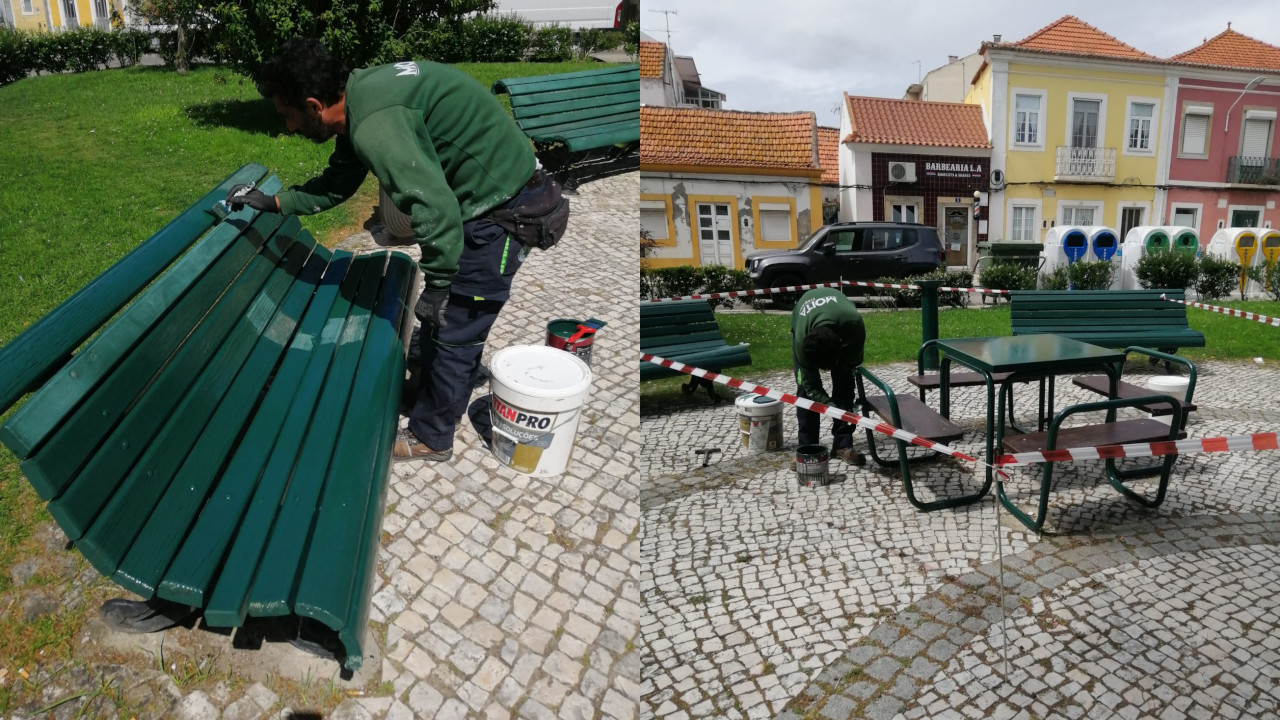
(895, 336)
(93, 165)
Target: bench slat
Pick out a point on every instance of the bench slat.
(336, 573)
(263, 466)
(567, 81)
(145, 562)
(1128, 391)
(653, 344)
(716, 360)
(622, 102)
(1121, 432)
(569, 120)
(70, 446)
(32, 355)
(48, 407)
(163, 446)
(526, 104)
(276, 580)
(617, 137)
(589, 131)
(652, 332)
(678, 348)
(916, 417)
(1112, 316)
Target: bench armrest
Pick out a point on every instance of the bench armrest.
(1110, 406)
(895, 419)
(1168, 358)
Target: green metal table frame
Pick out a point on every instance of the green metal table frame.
(1024, 356)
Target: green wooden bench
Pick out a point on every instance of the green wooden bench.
(686, 331)
(586, 124)
(211, 419)
(1109, 318)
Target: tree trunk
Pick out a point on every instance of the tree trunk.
(180, 58)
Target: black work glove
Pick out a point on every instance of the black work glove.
(431, 305)
(242, 195)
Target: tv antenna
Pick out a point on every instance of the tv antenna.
(919, 77)
(668, 30)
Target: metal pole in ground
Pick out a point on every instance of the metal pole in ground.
(929, 319)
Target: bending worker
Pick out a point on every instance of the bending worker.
(827, 334)
(453, 160)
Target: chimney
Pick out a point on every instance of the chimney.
(952, 58)
(997, 38)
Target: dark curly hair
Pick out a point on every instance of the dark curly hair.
(303, 68)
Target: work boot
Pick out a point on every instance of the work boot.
(409, 447)
(848, 455)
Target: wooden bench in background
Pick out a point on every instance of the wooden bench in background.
(585, 125)
(1108, 318)
(224, 441)
(686, 331)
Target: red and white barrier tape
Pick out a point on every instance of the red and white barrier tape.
(1232, 443)
(807, 404)
(1275, 322)
(746, 293)
(798, 288)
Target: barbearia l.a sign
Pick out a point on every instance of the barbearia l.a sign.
(952, 169)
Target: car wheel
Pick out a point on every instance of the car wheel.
(785, 301)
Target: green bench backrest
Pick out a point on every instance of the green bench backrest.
(584, 110)
(205, 446)
(1114, 317)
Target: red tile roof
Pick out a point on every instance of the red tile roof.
(726, 138)
(1234, 50)
(829, 155)
(1068, 35)
(652, 57)
(913, 122)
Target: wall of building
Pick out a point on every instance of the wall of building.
(1049, 201)
(950, 83)
(680, 194)
(36, 20)
(1224, 134)
(1214, 206)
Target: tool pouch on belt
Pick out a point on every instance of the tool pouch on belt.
(539, 223)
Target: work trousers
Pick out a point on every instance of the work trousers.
(843, 391)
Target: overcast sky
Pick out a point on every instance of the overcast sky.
(772, 55)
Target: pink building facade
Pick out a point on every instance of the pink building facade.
(1223, 169)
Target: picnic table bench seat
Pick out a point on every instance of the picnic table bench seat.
(1108, 318)
(211, 418)
(686, 331)
(585, 124)
(906, 412)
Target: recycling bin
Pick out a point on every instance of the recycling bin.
(1064, 245)
(1238, 245)
(1186, 241)
(1270, 242)
(1138, 243)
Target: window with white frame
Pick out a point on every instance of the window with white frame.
(1140, 115)
(1077, 215)
(1195, 130)
(653, 219)
(1130, 218)
(1026, 119)
(26, 7)
(1085, 113)
(1186, 217)
(1022, 226)
(1255, 138)
(775, 222)
(904, 213)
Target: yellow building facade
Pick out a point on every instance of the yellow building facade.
(42, 15)
(1074, 133)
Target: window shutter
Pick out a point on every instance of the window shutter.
(775, 225)
(1255, 138)
(1194, 130)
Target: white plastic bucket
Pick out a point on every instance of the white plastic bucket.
(759, 422)
(538, 392)
(1174, 385)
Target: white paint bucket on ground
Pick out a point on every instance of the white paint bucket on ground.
(759, 422)
(1174, 385)
(538, 393)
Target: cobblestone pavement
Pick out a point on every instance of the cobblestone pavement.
(498, 594)
(769, 600)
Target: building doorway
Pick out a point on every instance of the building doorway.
(955, 234)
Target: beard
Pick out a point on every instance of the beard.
(314, 130)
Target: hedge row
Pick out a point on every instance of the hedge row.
(23, 52)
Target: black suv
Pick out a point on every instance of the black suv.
(848, 251)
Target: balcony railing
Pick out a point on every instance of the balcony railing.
(1085, 163)
(1253, 170)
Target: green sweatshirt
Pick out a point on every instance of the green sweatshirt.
(825, 306)
(442, 146)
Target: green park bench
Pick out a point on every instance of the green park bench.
(211, 418)
(686, 331)
(1108, 318)
(586, 124)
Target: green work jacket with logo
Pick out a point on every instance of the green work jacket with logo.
(825, 306)
(442, 146)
